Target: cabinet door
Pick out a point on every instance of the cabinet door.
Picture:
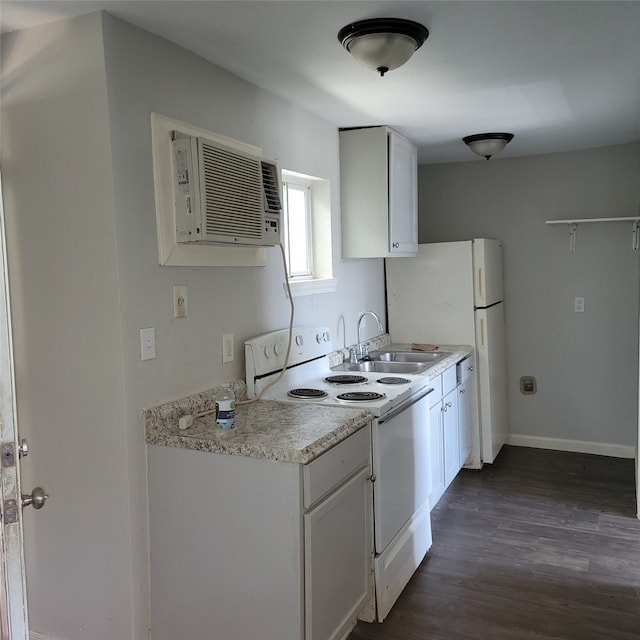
(464, 420)
(403, 195)
(338, 559)
(437, 454)
(450, 436)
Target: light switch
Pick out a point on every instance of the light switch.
(227, 347)
(147, 343)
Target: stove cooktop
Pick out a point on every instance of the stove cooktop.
(309, 378)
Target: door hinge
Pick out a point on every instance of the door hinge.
(8, 455)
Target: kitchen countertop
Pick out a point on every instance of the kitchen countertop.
(269, 429)
(264, 429)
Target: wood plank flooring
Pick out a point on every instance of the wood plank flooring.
(541, 545)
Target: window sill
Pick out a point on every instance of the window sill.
(312, 286)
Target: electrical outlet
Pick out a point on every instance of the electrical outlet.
(227, 347)
(147, 343)
(578, 305)
(179, 301)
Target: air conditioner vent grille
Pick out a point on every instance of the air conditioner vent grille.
(232, 194)
(271, 190)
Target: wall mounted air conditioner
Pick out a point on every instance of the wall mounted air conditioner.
(224, 196)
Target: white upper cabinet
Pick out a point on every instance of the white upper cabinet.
(379, 194)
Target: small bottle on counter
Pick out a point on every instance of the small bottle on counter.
(225, 407)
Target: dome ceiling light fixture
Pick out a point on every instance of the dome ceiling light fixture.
(487, 144)
(382, 44)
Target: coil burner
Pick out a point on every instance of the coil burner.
(360, 396)
(307, 394)
(345, 379)
(393, 380)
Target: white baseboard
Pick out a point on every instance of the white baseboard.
(577, 446)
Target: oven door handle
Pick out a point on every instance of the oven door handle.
(405, 405)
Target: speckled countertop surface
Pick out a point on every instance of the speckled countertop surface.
(264, 429)
(268, 429)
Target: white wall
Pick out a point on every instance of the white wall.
(61, 237)
(85, 278)
(585, 364)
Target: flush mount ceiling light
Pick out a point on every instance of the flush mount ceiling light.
(488, 144)
(382, 44)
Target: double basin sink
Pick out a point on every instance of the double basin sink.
(395, 361)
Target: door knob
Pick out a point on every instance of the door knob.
(37, 498)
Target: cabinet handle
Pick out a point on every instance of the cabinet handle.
(372, 477)
(462, 390)
(470, 368)
(449, 405)
(395, 245)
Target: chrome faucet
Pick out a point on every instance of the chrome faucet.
(360, 348)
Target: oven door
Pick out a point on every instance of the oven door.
(401, 466)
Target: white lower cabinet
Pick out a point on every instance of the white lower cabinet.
(444, 432)
(465, 411)
(436, 443)
(450, 431)
(337, 559)
(249, 548)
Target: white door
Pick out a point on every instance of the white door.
(338, 557)
(13, 597)
(403, 195)
(487, 272)
(492, 377)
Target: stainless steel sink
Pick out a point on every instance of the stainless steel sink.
(429, 357)
(380, 366)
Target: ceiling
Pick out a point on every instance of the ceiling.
(560, 75)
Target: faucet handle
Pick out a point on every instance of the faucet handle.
(353, 356)
(365, 350)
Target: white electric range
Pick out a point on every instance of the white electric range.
(400, 440)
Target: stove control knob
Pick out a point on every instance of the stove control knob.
(268, 351)
(277, 348)
(299, 340)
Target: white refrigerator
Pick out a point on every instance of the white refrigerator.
(452, 293)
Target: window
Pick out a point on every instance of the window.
(298, 228)
(307, 233)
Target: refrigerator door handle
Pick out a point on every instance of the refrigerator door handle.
(480, 284)
(482, 345)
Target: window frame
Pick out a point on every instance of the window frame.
(320, 279)
(302, 186)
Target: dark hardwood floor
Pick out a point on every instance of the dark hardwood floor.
(540, 545)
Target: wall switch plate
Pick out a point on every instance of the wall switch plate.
(578, 305)
(147, 343)
(227, 347)
(179, 301)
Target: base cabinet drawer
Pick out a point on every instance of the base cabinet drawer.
(336, 465)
